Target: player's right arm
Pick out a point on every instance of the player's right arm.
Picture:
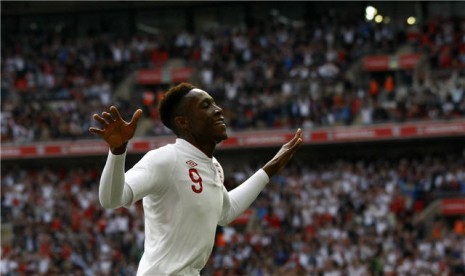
(149, 176)
(113, 191)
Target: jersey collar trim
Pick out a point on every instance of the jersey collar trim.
(191, 149)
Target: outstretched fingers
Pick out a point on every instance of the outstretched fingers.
(105, 119)
(100, 120)
(96, 131)
(298, 136)
(293, 145)
(115, 113)
(135, 117)
(287, 151)
(296, 140)
(109, 117)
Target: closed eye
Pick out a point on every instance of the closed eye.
(207, 103)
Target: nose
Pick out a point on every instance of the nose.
(218, 110)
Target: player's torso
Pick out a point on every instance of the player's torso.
(199, 187)
(181, 221)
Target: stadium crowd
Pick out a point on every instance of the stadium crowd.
(340, 218)
(265, 75)
(344, 218)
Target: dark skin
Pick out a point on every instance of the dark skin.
(198, 120)
(115, 131)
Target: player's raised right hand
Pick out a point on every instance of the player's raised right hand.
(114, 130)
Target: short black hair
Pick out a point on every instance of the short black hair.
(170, 103)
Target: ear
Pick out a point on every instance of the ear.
(181, 122)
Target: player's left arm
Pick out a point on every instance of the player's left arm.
(235, 202)
(239, 199)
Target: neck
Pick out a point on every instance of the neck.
(206, 147)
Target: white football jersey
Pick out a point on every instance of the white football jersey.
(184, 200)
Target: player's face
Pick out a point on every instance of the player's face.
(206, 119)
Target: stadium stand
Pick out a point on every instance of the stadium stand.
(344, 217)
(353, 210)
(266, 76)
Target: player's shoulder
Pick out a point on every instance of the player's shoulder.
(162, 155)
(166, 149)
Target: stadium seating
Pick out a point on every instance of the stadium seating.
(281, 76)
(368, 217)
(345, 217)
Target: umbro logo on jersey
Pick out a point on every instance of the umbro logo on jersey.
(191, 163)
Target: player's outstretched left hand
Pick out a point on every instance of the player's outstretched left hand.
(280, 160)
